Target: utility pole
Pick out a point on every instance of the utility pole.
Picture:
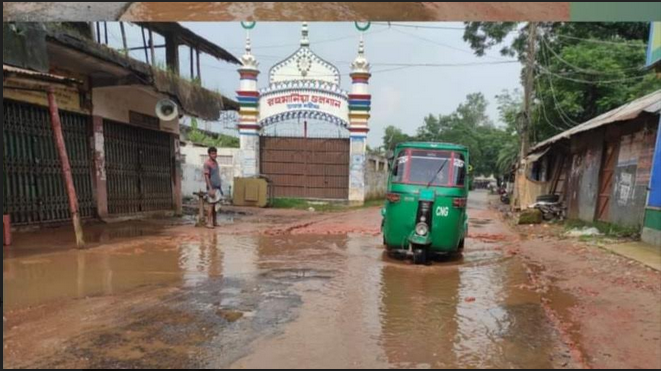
(124, 41)
(525, 119)
(526, 122)
(66, 167)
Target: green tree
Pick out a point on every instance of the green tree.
(199, 137)
(493, 150)
(378, 151)
(582, 71)
(393, 137)
(473, 112)
(510, 106)
(468, 125)
(581, 81)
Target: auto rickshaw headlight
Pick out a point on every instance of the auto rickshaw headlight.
(422, 229)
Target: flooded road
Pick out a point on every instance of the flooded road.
(186, 297)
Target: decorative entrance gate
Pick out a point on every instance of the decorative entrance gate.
(306, 167)
(305, 89)
(34, 191)
(139, 167)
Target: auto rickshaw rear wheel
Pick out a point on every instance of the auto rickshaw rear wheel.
(460, 250)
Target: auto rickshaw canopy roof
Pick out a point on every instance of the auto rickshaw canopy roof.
(433, 146)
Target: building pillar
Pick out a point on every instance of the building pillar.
(249, 130)
(652, 227)
(172, 54)
(6, 230)
(357, 170)
(359, 114)
(177, 177)
(100, 178)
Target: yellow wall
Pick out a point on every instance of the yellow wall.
(528, 190)
(68, 98)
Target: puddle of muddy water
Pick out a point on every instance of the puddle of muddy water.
(27, 242)
(330, 300)
(468, 316)
(33, 279)
(472, 313)
(479, 223)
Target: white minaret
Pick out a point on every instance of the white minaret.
(359, 114)
(305, 31)
(248, 97)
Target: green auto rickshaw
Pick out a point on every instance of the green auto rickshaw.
(425, 211)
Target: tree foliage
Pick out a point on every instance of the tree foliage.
(201, 138)
(468, 125)
(582, 69)
(394, 136)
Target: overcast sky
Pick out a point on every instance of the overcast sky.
(400, 97)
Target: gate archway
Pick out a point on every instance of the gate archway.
(305, 90)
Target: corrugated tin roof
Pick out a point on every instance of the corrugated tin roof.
(650, 103)
(190, 38)
(164, 82)
(7, 69)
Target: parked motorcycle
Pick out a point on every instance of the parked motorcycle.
(504, 196)
(551, 210)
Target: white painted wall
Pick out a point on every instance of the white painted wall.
(376, 178)
(114, 103)
(305, 65)
(192, 165)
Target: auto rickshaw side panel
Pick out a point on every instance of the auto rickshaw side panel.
(448, 222)
(400, 220)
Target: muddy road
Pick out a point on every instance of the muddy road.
(281, 289)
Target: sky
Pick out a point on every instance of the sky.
(401, 97)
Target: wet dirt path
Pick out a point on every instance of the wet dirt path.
(380, 313)
(296, 299)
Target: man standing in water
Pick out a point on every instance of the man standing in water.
(214, 189)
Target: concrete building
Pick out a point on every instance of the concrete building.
(652, 228)
(125, 159)
(602, 169)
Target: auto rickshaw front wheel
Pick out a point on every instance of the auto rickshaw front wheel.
(420, 256)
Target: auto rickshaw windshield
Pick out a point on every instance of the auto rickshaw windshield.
(428, 167)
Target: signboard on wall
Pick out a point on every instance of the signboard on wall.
(646, 159)
(145, 121)
(654, 47)
(655, 193)
(280, 103)
(68, 99)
